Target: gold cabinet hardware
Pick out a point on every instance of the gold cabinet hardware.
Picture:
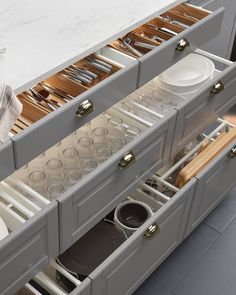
(127, 160)
(217, 88)
(182, 45)
(153, 230)
(86, 107)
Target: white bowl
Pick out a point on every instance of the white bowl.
(188, 74)
(3, 229)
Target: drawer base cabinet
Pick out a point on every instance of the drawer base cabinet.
(43, 128)
(176, 212)
(126, 268)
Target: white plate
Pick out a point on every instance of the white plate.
(191, 70)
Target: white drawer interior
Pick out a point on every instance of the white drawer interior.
(18, 203)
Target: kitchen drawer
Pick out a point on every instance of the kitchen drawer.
(165, 55)
(213, 184)
(137, 258)
(202, 108)
(58, 124)
(95, 195)
(6, 159)
(130, 264)
(33, 239)
(47, 281)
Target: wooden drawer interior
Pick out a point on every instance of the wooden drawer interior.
(159, 30)
(61, 88)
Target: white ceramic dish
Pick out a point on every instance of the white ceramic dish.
(188, 74)
(3, 229)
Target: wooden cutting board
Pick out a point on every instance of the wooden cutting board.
(204, 157)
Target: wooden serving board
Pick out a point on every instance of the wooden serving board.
(204, 157)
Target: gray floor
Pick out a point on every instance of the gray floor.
(205, 263)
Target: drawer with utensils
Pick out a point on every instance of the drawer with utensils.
(209, 159)
(29, 233)
(62, 103)
(108, 255)
(98, 164)
(167, 38)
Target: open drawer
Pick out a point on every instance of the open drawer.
(138, 255)
(212, 167)
(69, 102)
(32, 239)
(213, 182)
(202, 108)
(109, 171)
(169, 37)
(95, 195)
(197, 109)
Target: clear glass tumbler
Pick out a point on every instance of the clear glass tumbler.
(38, 181)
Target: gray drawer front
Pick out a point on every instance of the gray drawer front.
(202, 110)
(28, 250)
(6, 159)
(62, 122)
(133, 262)
(89, 201)
(164, 56)
(213, 184)
(83, 289)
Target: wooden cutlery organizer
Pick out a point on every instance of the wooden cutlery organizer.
(160, 149)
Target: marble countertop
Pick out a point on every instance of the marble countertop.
(44, 36)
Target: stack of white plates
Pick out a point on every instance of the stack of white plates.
(188, 75)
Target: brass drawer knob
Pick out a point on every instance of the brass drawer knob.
(86, 107)
(127, 160)
(182, 45)
(217, 88)
(151, 231)
(232, 153)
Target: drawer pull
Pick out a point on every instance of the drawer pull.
(217, 88)
(182, 45)
(151, 231)
(127, 160)
(86, 107)
(232, 153)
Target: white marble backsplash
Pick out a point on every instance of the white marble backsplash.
(43, 36)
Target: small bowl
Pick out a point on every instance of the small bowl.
(130, 215)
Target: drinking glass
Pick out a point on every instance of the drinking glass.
(37, 181)
(132, 132)
(103, 154)
(117, 143)
(72, 177)
(86, 147)
(88, 166)
(100, 136)
(70, 158)
(54, 190)
(54, 170)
